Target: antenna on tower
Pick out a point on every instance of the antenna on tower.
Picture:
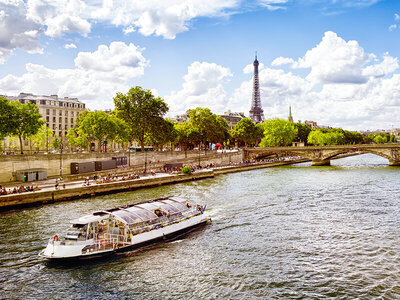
(256, 55)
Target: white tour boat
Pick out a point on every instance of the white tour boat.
(125, 227)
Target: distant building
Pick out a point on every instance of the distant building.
(232, 118)
(60, 114)
(311, 124)
(182, 118)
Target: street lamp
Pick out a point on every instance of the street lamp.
(61, 148)
(145, 160)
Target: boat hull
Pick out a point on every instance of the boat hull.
(159, 238)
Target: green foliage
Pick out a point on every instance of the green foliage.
(247, 132)
(96, 125)
(321, 137)
(56, 142)
(186, 170)
(141, 112)
(16, 119)
(278, 132)
(186, 134)
(41, 139)
(303, 131)
(379, 139)
(164, 133)
(211, 128)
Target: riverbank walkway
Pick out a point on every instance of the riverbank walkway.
(53, 190)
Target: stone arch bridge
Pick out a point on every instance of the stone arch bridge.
(322, 155)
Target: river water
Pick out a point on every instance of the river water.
(288, 232)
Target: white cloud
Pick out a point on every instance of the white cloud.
(334, 60)
(345, 87)
(162, 18)
(392, 27)
(129, 29)
(70, 46)
(16, 30)
(272, 4)
(282, 61)
(98, 76)
(60, 17)
(387, 66)
(202, 86)
(396, 17)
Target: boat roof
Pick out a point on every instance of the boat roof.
(137, 212)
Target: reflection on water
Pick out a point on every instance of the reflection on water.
(288, 232)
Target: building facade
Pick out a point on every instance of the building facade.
(60, 114)
(232, 118)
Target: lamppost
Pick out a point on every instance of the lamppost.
(199, 154)
(61, 148)
(145, 160)
(129, 151)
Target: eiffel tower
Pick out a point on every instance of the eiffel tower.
(256, 111)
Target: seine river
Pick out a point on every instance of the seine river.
(287, 232)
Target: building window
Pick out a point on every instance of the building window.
(54, 126)
(60, 103)
(66, 120)
(66, 113)
(60, 113)
(43, 102)
(72, 120)
(47, 111)
(60, 133)
(54, 112)
(22, 101)
(32, 101)
(59, 126)
(66, 127)
(47, 124)
(72, 113)
(54, 119)
(47, 119)
(60, 120)
(65, 133)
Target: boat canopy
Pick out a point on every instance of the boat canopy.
(136, 213)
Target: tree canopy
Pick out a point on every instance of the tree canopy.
(16, 119)
(211, 128)
(247, 132)
(278, 132)
(141, 111)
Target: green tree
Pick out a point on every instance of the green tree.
(165, 134)
(380, 139)
(22, 120)
(96, 125)
(247, 132)
(303, 131)
(41, 139)
(186, 135)
(278, 132)
(141, 111)
(56, 142)
(211, 128)
(322, 137)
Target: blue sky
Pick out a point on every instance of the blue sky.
(333, 61)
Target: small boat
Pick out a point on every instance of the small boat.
(125, 227)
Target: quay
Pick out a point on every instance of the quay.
(76, 189)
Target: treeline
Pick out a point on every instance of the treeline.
(139, 116)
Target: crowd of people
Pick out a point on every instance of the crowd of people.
(18, 190)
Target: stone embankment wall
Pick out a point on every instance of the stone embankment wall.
(155, 160)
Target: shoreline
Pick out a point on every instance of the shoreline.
(75, 190)
(36, 198)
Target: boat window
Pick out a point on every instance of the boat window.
(169, 208)
(76, 231)
(178, 205)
